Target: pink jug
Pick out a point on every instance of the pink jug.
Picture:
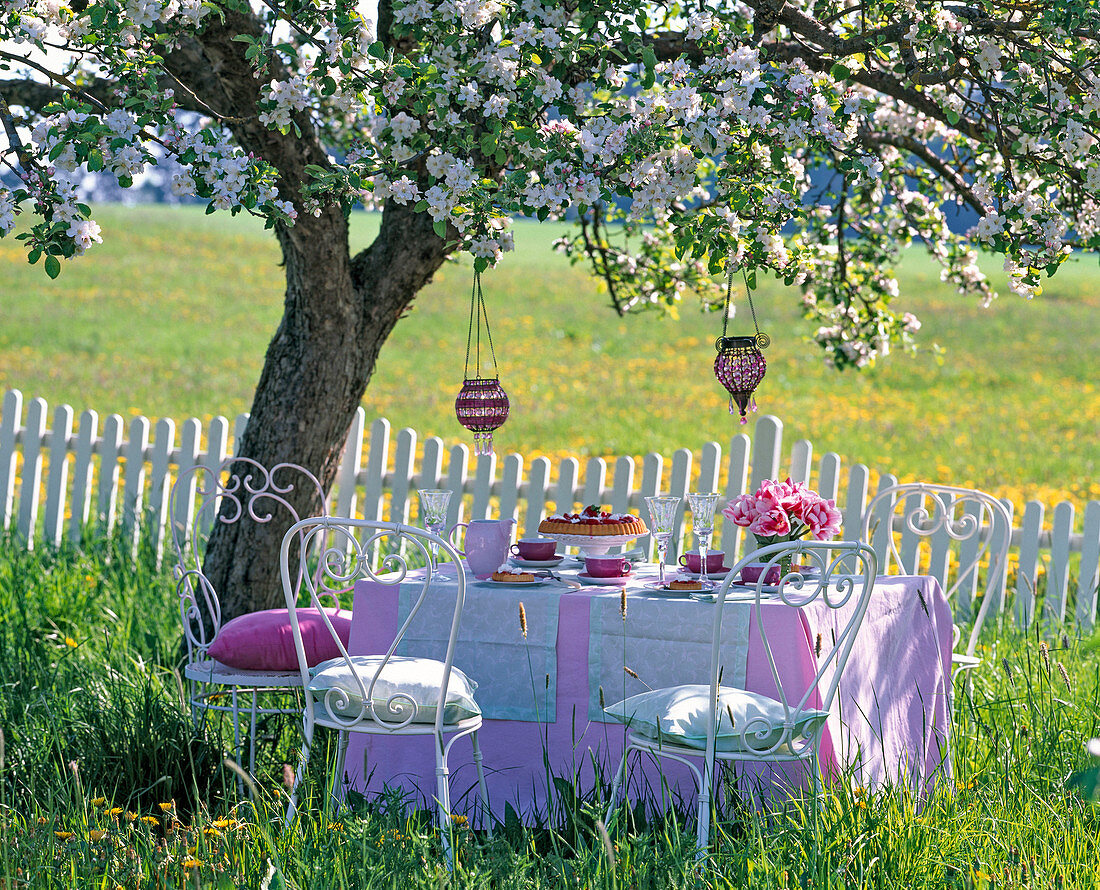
(487, 542)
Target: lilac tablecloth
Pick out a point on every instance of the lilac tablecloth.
(890, 720)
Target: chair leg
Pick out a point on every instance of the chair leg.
(252, 737)
(443, 792)
(303, 762)
(702, 837)
(237, 738)
(336, 792)
(618, 781)
(482, 789)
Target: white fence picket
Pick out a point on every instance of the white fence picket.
(188, 457)
(431, 464)
(83, 468)
(402, 476)
(456, 482)
(1058, 571)
(110, 449)
(160, 480)
(58, 475)
(735, 487)
(710, 468)
(652, 471)
(483, 485)
(33, 435)
(855, 502)
(595, 477)
(9, 428)
(377, 458)
(1027, 574)
(133, 491)
(350, 466)
(623, 486)
(679, 484)
(566, 491)
(766, 446)
(538, 492)
(802, 455)
(1089, 576)
(828, 476)
(511, 478)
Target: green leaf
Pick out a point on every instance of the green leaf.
(952, 116)
(840, 71)
(440, 228)
(34, 255)
(53, 266)
(480, 264)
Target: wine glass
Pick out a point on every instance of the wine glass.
(702, 506)
(433, 514)
(662, 513)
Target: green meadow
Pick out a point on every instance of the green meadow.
(172, 314)
(105, 782)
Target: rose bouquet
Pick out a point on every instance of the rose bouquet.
(784, 511)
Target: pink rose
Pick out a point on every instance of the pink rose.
(741, 511)
(773, 523)
(823, 518)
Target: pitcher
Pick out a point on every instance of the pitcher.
(486, 542)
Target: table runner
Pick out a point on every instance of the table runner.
(895, 701)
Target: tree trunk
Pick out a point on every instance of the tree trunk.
(338, 312)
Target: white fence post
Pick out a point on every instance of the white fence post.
(33, 434)
(1088, 579)
(58, 478)
(82, 474)
(9, 429)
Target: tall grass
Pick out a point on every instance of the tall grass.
(106, 783)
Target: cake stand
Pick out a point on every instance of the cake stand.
(592, 545)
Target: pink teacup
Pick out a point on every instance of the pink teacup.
(750, 573)
(606, 566)
(716, 561)
(535, 548)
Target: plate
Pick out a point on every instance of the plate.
(658, 589)
(538, 582)
(620, 581)
(536, 563)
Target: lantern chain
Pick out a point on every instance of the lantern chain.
(477, 307)
(762, 340)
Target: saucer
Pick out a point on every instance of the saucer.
(614, 581)
(538, 582)
(715, 576)
(536, 563)
(656, 588)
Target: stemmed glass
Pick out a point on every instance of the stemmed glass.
(433, 514)
(662, 513)
(702, 522)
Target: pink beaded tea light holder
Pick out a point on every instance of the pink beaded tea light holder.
(740, 365)
(482, 403)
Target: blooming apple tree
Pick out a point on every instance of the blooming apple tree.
(808, 140)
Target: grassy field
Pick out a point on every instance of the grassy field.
(171, 317)
(104, 783)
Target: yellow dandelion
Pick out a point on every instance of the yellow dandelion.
(150, 820)
(70, 642)
(131, 816)
(167, 807)
(336, 826)
(225, 823)
(211, 832)
(115, 811)
(63, 835)
(42, 820)
(191, 863)
(98, 801)
(460, 821)
(97, 834)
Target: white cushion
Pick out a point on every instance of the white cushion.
(417, 678)
(683, 712)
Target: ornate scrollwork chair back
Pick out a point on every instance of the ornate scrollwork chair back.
(837, 575)
(951, 533)
(383, 692)
(203, 497)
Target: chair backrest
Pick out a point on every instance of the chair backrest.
(344, 556)
(237, 490)
(947, 532)
(838, 574)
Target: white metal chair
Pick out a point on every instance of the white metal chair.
(719, 723)
(237, 490)
(383, 693)
(947, 532)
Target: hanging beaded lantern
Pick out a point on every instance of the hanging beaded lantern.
(740, 365)
(482, 403)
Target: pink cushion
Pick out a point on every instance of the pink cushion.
(264, 641)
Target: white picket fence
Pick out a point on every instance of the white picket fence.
(112, 474)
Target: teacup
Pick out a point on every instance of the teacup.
(535, 548)
(606, 566)
(716, 561)
(750, 573)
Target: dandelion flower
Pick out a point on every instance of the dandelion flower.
(114, 811)
(150, 820)
(98, 801)
(167, 807)
(192, 863)
(70, 642)
(97, 834)
(63, 835)
(458, 820)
